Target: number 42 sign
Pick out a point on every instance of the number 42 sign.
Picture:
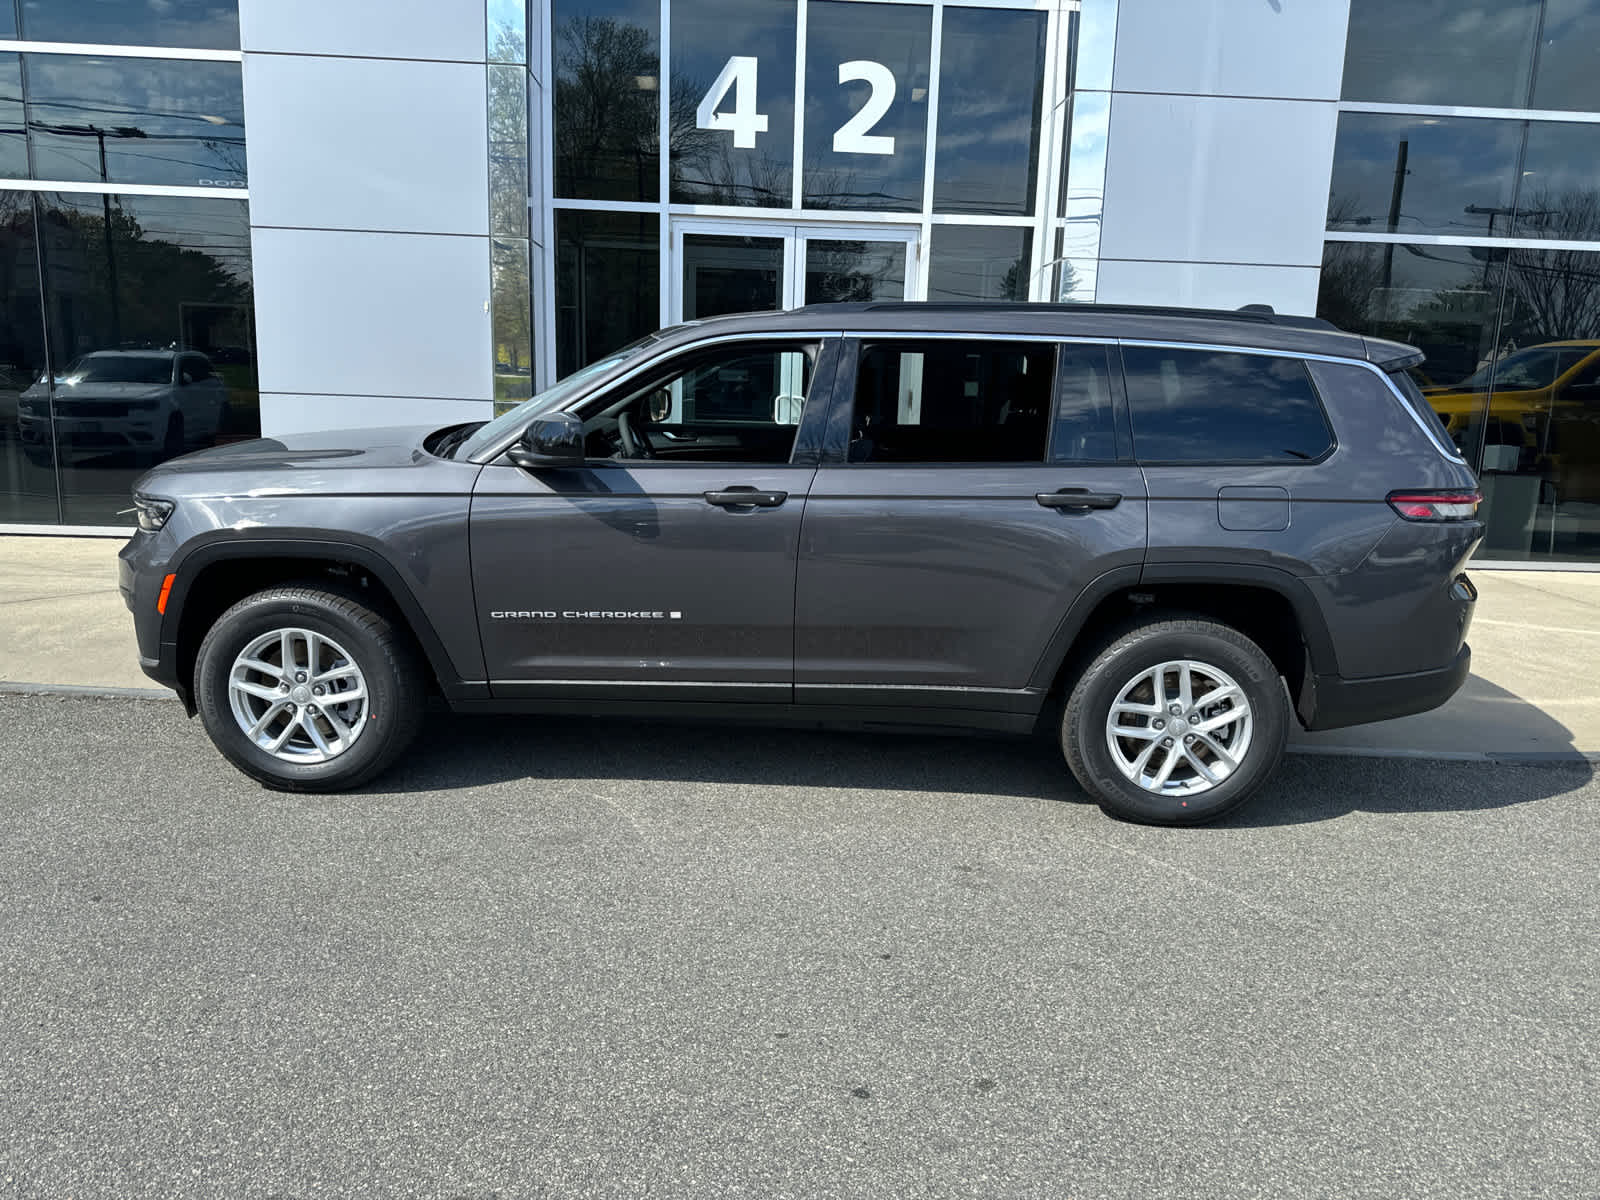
(855, 136)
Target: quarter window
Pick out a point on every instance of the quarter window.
(1213, 406)
(952, 401)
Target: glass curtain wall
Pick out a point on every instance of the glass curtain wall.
(843, 113)
(1464, 218)
(126, 306)
(511, 295)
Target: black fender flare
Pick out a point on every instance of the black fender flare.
(1308, 615)
(206, 553)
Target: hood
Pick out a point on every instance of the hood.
(338, 449)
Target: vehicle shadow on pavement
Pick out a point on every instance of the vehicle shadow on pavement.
(1308, 788)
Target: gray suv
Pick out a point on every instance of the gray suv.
(1158, 534)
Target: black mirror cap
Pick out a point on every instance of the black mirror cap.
(553, 440)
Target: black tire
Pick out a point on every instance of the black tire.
(1141, 648)
(383, 653)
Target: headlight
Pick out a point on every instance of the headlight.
(151, 513)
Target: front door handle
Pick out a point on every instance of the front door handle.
(745, 497)
(1078, 499)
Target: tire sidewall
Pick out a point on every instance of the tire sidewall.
(245, 622)
(1118, 666)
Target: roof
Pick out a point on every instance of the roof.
(1255, 326)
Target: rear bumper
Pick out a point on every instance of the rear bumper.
(1332, 702)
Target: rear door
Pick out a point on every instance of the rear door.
(971, 489)
(664, 566)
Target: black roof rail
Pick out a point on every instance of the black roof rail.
(1259, 313)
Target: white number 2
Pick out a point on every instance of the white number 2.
(738, 73)
(852, 137)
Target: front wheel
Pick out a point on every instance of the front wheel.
(1176, 722)
(308, 690)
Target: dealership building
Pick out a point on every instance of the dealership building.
(224, 218)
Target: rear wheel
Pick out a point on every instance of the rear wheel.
(1176, 722)
(308, 690)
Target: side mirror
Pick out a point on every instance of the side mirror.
(553, 440)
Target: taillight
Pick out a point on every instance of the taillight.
(1436, 506)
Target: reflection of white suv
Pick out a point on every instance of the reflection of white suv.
(156, 403)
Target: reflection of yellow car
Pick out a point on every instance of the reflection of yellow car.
(1551, 380)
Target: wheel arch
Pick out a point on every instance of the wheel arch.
(217, 574)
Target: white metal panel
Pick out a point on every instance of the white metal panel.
(429, 29)
(372, 313)
(345, 143)
(283, 414)
(1202, 179)
(1232, 47)
(1207, 285)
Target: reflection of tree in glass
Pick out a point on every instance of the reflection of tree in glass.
(1555, 294)
(607, 133)
(1014, 285)
(843, 271)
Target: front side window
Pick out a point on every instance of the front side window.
(738, 404)
(1215, 406)
(944, 400)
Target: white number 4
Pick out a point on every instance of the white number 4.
(739, 74)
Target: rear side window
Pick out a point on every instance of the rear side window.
(944, 400)
(1217, 406)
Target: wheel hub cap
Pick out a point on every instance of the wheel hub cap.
(298, 695)
(1179, 728)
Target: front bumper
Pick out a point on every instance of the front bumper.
(1333, 702)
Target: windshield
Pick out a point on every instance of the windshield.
(1535, 367)
(95, 368)
(551, 398)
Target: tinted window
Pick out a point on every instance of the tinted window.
(136, 120)
(27, 471)
(1567, 77)
(1394, 174)
(991, 78)
(1084, 429)
(607, 63)
(1205, 406)
(968, 262)
(736, 58)
(607, 284)
(951, 401)
(1560, 192)
(13, 142)
(866, 171)
(186, 24)
(1470, 52)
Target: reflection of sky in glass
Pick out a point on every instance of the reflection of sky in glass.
(1084, 197)
(1471, 52)
(186, 24)
(13, 143)
(1451, 162)
(987, 153)
(1560, 192)
(1196, 405)
(968, 262)
(508, 31)
(899, 37)
(1097, 43)
(163, 121)
(1567, 76)
(707, 168)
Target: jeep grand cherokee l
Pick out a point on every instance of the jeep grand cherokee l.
(1160, 534)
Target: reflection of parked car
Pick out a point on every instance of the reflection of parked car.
(13, 381)
(1532, 384)
(156, 403)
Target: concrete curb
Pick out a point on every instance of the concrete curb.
(1511, 757)
(8, 688)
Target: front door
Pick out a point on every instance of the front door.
(748, 266)
(664, 566)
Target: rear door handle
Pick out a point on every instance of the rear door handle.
(745, 497)
(1078, 499)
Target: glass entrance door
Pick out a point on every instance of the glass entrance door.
(744, 266)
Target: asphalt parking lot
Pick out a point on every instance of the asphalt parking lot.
(569, 958)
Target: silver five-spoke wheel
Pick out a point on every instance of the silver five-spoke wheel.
(298, 695)
(1179, 728)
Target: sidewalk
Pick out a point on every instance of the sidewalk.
(1535, 688)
